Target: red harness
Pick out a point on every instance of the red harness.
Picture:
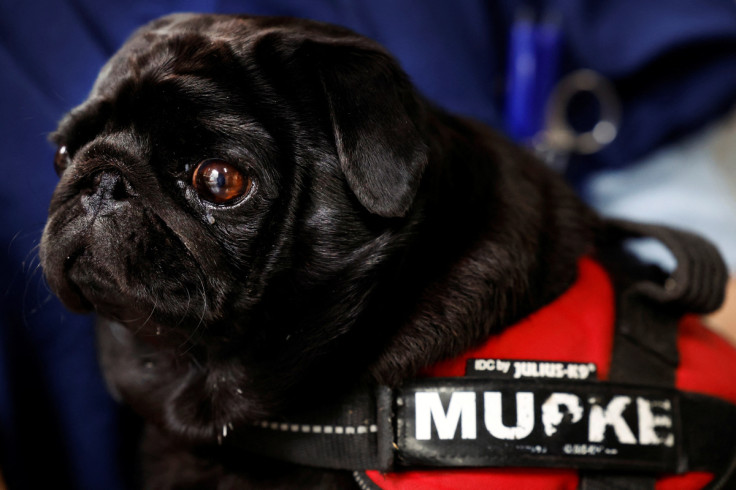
(576, 327)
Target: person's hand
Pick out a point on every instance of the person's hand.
(723, 321)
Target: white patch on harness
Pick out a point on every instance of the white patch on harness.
(558, 410)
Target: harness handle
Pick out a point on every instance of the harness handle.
(698, 283)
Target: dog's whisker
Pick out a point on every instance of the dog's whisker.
(195, 363)
(12, 241)
(28, 259)
(31, 256)
(42, 286)
(33, 273)
(186, 310)
(191, 340)
(136, 320)
(35, 232)
(150, 315)
(41, 301)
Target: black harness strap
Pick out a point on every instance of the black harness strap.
(645, 346)
(354, 433)
(495, 422)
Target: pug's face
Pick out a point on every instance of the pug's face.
(235, 186)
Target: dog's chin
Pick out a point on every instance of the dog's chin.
(88, 284)
(72, 297)
(136, 282)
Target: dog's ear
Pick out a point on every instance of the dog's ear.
(376, 117)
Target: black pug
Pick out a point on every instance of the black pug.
(264, 212)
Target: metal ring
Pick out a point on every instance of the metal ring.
(560, 135)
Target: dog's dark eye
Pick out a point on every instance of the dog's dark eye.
(61, 160)
(219, 182)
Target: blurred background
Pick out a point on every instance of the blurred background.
(648, 131)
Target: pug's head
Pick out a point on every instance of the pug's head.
(237, 186)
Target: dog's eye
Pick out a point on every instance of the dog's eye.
(219, 182)
(61, 160)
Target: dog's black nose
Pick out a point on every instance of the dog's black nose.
(107, 191)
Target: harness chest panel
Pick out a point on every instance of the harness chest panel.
(576, 329)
